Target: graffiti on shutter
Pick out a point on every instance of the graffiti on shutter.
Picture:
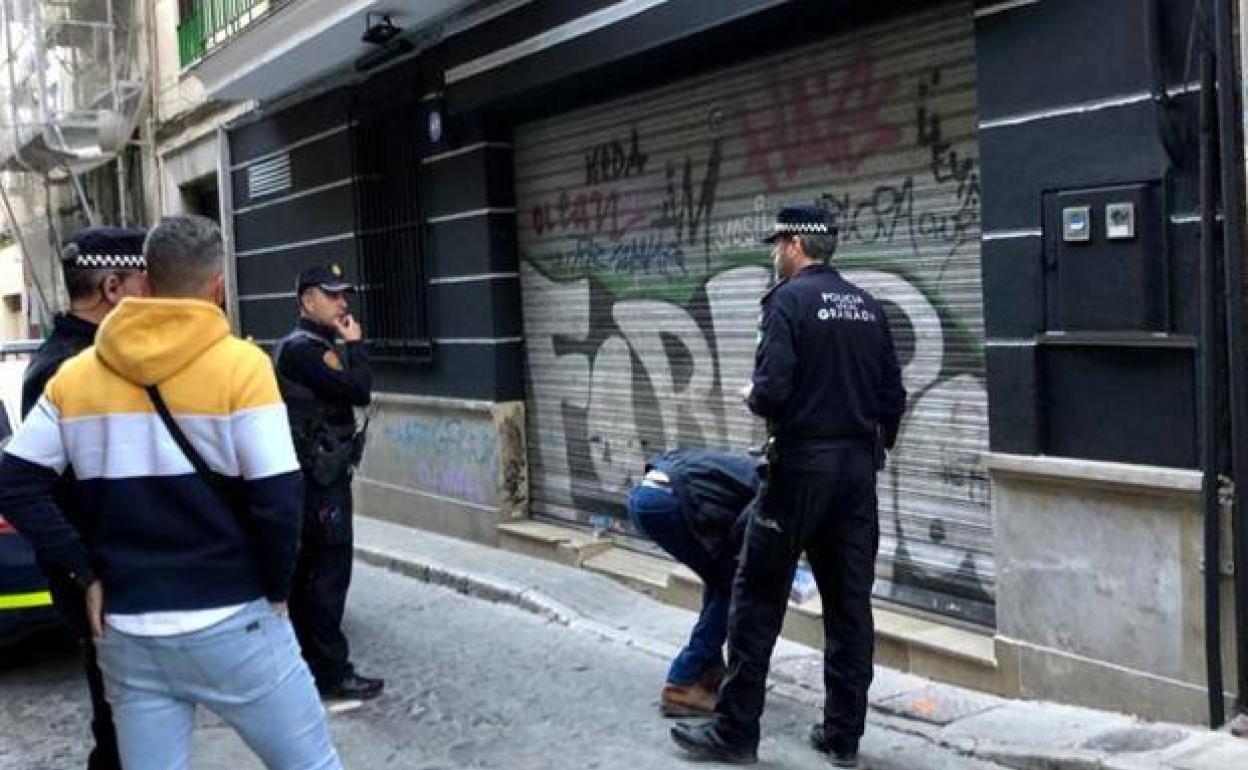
(639, 227)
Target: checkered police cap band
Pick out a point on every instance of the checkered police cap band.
(110, 262)
(792, 228)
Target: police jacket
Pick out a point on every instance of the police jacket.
(825, 369)
(70, 336)
(321, 381)
(714, 489)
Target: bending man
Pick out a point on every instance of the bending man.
(693, 504)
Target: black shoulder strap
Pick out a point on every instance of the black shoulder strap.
(188, 449)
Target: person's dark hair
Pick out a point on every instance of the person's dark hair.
(84, 283)
(182, 253)
(820, 247)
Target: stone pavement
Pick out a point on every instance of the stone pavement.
(1019, 734)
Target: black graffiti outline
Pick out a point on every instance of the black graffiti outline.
(945, 164)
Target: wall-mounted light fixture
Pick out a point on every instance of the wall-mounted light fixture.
(380, 31)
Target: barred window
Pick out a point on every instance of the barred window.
(390, 232)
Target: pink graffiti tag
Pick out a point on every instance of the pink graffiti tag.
(594, 211)
(814, 119)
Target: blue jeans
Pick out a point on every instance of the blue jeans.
(657, 512)
(247, 669)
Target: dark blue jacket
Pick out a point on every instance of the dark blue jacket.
(70, 336)
(825, 369)
(714, 489)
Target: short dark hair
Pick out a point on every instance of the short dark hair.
(182, 252)
(820, 247)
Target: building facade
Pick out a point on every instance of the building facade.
(553, 210)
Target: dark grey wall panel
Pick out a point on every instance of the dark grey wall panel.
(516, 26)
(268, 319)
(677, 38)
(1071, 51)
(263, 132)
(1095, 149)
(1185, 277)
(1124, 405)
(485, 244)
(1064, 104)
(476, 309)
(326, 213)
(469, 181)
(1014, 423)
(276, 271)
(1013, 287)
(485, 372)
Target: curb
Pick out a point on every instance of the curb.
(537, 602)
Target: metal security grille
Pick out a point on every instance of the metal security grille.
(639, 222)
(390, 232)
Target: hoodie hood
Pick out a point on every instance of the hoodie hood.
(147, 341)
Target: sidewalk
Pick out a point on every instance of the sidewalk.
(1018, 734)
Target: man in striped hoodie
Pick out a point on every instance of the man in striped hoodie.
(187, 573)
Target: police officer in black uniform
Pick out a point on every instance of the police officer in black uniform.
(322, 368)
(102, 266)
(826, 379)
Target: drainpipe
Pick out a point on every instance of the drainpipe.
(1210, 364)
(1231, 149)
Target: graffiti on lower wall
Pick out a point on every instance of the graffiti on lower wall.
(449, 456)
(641, 284)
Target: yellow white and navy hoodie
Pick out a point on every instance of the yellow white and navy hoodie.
(158, 536)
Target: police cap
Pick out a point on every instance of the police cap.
(330, 278)
(105, 248)
(802, 220)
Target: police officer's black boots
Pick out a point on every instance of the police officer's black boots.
(353, 687)
(843, 751)
(704, 742)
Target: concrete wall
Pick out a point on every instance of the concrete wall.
(185, 120)
(13, 299)
(452, 466)
(1101, 585)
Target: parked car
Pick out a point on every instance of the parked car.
(25, 604)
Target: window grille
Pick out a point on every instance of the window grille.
(390, 231)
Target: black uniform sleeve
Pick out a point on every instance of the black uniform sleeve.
(776, 359)
(32, 388)
(26, 499)
(353, 384)
(42, 366)
(892, 392)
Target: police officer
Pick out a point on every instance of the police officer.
(323, 370)
(102, 266)
(826, 379)
(693, 504)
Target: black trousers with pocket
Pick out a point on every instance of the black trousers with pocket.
(821, 503)
(318, 594)
(68, 599)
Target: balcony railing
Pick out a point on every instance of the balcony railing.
(207, 24)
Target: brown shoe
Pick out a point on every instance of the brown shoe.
(713, 676)
(693, 700)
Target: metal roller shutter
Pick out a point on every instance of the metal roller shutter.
(638, 226)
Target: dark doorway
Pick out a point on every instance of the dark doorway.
(201, 197)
